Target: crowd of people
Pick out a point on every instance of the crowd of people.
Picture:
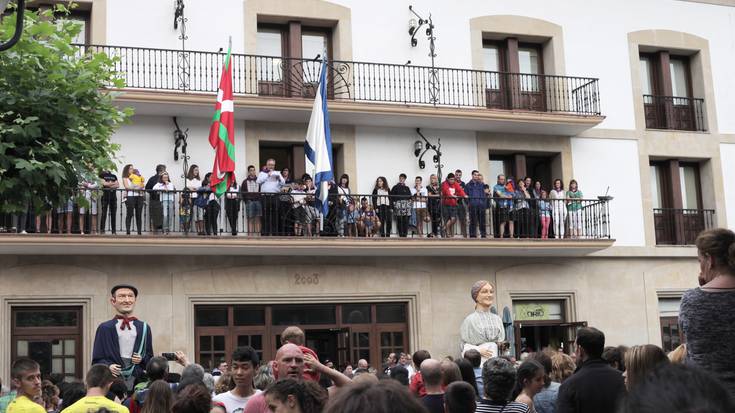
(271, 202)
(604, 379)
(699, 376)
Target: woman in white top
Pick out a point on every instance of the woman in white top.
(193, 183)
(344, 200)
(168, 196)
(558, 208)
(420, 194)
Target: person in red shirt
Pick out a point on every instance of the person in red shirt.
(417, 381)
(451, 191)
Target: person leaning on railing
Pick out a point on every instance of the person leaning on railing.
(250, 190)
(134, 183)
(558, 208)
(503, 204)
(544, 212)
(232, 206)
(522, 210)
(382, 205)
(89, 186)
(401, 197)
(193, 183)
(475, 190)
(420, 215)
(575, 209)
(109, 200)
(165, 190)
(433, 193)
(212, 208)
(451, 193)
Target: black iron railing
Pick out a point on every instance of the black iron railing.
(294, 214)
(681, 226)
(670, 112)
(162, 69)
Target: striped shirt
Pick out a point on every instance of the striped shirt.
(487, 406)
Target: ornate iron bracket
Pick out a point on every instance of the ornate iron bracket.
(182, 58)
(18, 24)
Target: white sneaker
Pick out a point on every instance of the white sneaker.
(23, 232)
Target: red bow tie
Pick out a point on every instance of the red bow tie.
(125, 321)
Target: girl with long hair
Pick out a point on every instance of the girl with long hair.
(381, 203)
(159, 399)
(530, 378)
(193, 183)
(641, 360)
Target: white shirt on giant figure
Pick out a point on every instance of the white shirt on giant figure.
(126, 338)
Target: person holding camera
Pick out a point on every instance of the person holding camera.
(270, 182)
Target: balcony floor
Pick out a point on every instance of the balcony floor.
(54, 244)
(250, 107)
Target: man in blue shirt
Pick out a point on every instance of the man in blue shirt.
(475, 190)
(503, 206)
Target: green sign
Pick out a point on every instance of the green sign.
(536, 311)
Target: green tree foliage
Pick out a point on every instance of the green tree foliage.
(56, 114)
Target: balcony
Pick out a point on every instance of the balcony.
(681, 226)
(289, 224)
(676, 113)
(279, 89)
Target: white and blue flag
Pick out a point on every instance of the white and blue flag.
(318, 145)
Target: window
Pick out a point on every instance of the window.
(492, 58)
(676, 197)
(500, 165)
(679, 68)
(341, 332)
(82, 18)
(539, 324)
(657, 185)
(286, 67)
(671, 335)
(647, 80)
(314, 44)
(667, 93)
(269, 43)
(520, 84)
(52, 336)
(690, 189)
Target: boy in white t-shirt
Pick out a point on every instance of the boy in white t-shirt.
(243, 367)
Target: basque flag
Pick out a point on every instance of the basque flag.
(318, 145)
(222, 132)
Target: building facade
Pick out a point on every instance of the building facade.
(631, 99)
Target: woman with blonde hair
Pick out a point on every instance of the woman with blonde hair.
(562, 367)
(641, 360)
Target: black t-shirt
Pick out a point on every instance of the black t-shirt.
(434, 403)
(152, 181)
(109, 177)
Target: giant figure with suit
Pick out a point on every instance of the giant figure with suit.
(125, 344)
